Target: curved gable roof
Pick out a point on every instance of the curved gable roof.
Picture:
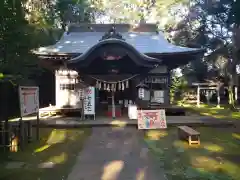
(131, 51)
(145, 40)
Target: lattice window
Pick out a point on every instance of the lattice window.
(67, 87)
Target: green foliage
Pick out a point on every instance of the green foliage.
(234, 15)
(24, 26)
(178, 86)
(16, 39)
(134, 11)
(74, 11)
(211, 25)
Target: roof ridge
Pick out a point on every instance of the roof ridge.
(88, 27)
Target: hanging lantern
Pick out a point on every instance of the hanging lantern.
(141, 93)
(141, 90)
(108, 87)
(99, 85)
(122, 86)
(119, 86)
(113, 87)
(127, 84)
(104, 86)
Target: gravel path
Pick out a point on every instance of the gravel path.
(115, 154)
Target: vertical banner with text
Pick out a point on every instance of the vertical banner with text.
(89, 101)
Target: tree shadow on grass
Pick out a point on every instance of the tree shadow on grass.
(214, 159)
(51, 158)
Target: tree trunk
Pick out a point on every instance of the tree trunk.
(230, 89)
(232, 67)
(230, 96)
(4, 111)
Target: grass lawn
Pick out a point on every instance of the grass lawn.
(217, 158)
(58, 148)
(213, 111)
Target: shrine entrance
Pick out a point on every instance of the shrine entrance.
(114, 68)
(123, 96)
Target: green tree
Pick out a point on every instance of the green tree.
(74, 11)
(15, 45)
(178, 87)
(134, 11)
(209, 24)
(15, 39)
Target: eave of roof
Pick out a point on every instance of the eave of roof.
(144, 42)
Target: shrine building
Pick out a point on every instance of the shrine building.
(123, 63)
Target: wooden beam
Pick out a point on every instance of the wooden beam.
(207, 88)
(204, 84)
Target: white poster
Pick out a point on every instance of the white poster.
(29, 100)
(132, 111)
(89, 101)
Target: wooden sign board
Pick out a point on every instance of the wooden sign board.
(29, 100)
(89, 101)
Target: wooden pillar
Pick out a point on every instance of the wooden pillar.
(150, 92)
(208, 97)
(113, 106)
(198, 96)
(169, 83)
(235, 94)
(218, 96)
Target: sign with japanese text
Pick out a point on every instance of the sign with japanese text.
(141, 93)
(29, 100)
(156, 79)
(152, 119)
(89, 101)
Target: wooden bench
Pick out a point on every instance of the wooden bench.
(189, 134)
